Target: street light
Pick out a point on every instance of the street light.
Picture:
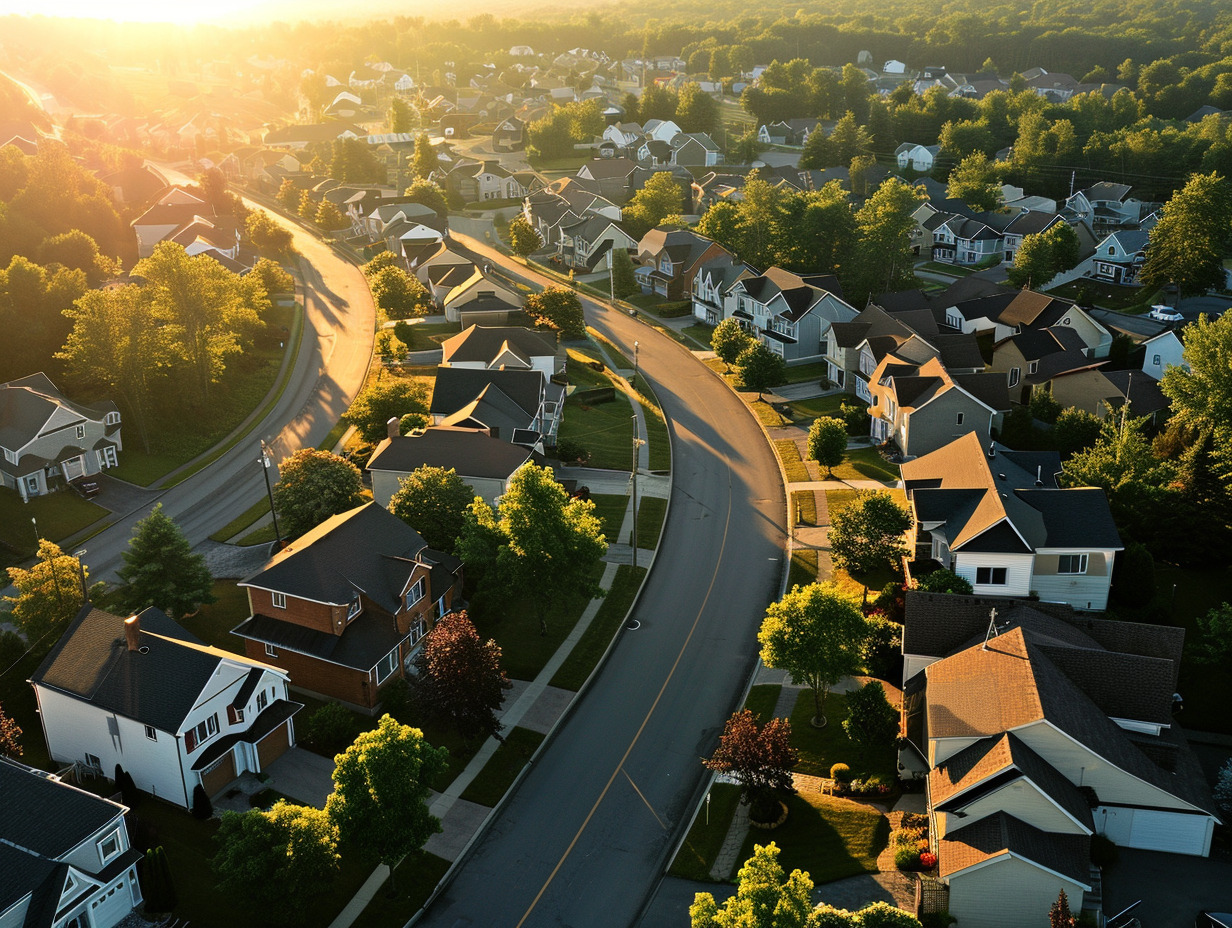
(37, 538)
(265, 469)
(81, 567)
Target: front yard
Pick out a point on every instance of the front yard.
(58, 515)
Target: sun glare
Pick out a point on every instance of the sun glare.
(134, 11)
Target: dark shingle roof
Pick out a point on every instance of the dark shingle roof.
(455, 387)
(990, 837)
(484, 343)
(45, 816)
(470, 453)
(27, 404)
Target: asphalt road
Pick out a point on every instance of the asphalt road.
(330, 370)
(585, 839)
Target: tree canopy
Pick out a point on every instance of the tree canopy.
(560, 309)
(868, 532)
(433, 501)
(160, 569)
(460, 676)
(312, 486)
(389, 398)
(759, 758)
(48, 593)
(827, 442)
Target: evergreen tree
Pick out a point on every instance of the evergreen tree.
(161, 569)
(624, 282)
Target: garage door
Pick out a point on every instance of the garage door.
(111, 908)
(273, 745)
(1169, 831)
(218, 774)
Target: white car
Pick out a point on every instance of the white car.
(1164, 313)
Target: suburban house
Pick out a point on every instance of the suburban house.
(1036, 222)
(857, 347)
(790, 131)
(1103, 393)
(438, 268)
(479, 299)
(589, 243)
(695, 149)
(1116, 259)
(1163, 351)
(999, 519)
(1035, 356)
(615, 178)
(1038, 729)
(484, 462)
(664, 130)
(482, 347)
(1007, 312)
(712, 299)
(396, 223)
(174, 211)
(1106, 207)
(343, 609)
(509, 136)
(64, 853)
(970, 240)
(670, 258)
(919, 158)
(790, 314)
(624, 135)
(484, 180)
(143, 693)
(923, 407)
(46, 439)
(517, 405)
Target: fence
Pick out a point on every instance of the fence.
(931, 895)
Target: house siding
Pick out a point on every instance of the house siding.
(1017, 572)
(1008, 893)
(935, 425)
(1021, 800)
(1082, 591)
(316, 676)
(317, 616)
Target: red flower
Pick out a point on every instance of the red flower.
(928, 860)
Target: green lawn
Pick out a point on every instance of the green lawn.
(767, 415)
(950, 270)
(1106, 296)
(803, 569)
(793, 464)
(500, 771)
(604, 429)
(821, 748)
(828, 837)
(259, 536)
(804, 504)
(656, 426)
(803, 372)
(700, 333)
(213, 622)
(705, 838)
(610, 348)
(866, 464)
(414, 879)
(427, 335)
(812, 408)
(650, 514)
(610, 509)
(762, 699)
(242, 521)
(59, 515)
(598, 635)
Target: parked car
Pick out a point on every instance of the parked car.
(87, 489)
(1164, 313)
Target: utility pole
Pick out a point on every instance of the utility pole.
(611, 276)
(269, 490)
(637, 443)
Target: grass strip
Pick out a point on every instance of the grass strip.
(657, 436)
(650, 514)
(769, 417)
(762, 699)
(502, 768)
(594, 641)
(335, 435)
(261, 536)
(610, 347)
(610, 510)
(793, 465)
(242, 521)
(804, 505)
(705, 838)
(415, 878)
(803, 569)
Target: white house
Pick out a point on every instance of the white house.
(1163, 351)
(917, 157)
(663, 130)
(65, 859)
(175, 713)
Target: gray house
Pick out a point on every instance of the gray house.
(45, 438)
(485, 463)
(790, 314)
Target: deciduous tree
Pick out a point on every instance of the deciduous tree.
(48, 593)
(696, 110)
(659, 198)
(765, 897)
(759, 758)
(434, 502)
(10, 736)
(975, 181)
(758, 368)
(814, 633)
(1187, 246)
(460, 676)
(427, 194)
(868, 533)
(424, 159)
(560, 309)
(827, 443)
(312, 486)
(523, 238)
(883, 255)
(729, 340)
(398, 294)
(1214, 644)
(329, 217)
(273, 276)
(1201, 391)
(161, 570)
(381, 788)
(871, 720)
(388, 398)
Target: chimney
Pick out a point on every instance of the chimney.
(132, 632)
(393, 427)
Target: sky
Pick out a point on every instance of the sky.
(166, 11)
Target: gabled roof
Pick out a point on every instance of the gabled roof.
(27, 403)
(1014, 307)
(455, 387)
(470, 453)
(485, 343)
(157, 685)
(1001, 834)
(44, 816)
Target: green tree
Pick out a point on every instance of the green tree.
(1074, 430)
(161, 570)
(49, 593)
(353, 162)
(758, 368)
(401, 116)
(329, 217)
(696, 110)
(868, 533)
(849, 139)
(721, 223)
(729, 341)
(819, 152)
(460, 677)
(558, 308)
(765, 897)
(273, 276)
(424, 159)
(523, 238)
(76, 250)
(1214, 644)
(975, 181)
(381, 787)
(288, 195)
(1059, 915)
(282, 860)
(434, 502)
(871, 720)
(624, 282)
(1043, 255)
(1201, 390)
(307, 205)
(658, 102)
(399, 295)
(33, 300)
(814, 633)
(539, 543)
(759, 758)
(827, 443)
(10, 736)
(312, 486)
(659, 198)
(883, 253)
(390, 398)
(427, 194)
(1187, 246)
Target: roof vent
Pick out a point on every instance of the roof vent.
(1000, 476)
(1005, 496)
(992, 450)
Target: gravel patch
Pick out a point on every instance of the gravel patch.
(233, 561)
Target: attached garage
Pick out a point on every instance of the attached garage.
(1173, 832)
(274, 745)
(218, 774)
(111, 907)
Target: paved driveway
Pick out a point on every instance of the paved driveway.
(303, 775)
(1172, 887)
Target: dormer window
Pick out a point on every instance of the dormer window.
(81, 431)
(10, 456)
(113, 418)
(109, 847)
(354, 609)
(415, 593)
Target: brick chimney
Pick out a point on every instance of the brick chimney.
(132, 632)
(393, 427)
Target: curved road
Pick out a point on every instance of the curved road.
(339, 326)
(585, 839)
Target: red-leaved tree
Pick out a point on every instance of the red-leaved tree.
(759, 758)
(460, 676)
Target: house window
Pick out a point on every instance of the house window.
(1156, 360)
(1015, 373)
(108, 456)
(354, 609)
(279, 600)
(959, 420)
(81, 431)
(207, 729)
(113, 418)
(1032, 367)
(1072, 564)
(415, 593)
(990, 576)
(235, 715)
(32, 484)
(270, 650)
(262, 701)
(419, 628)
(151, 732)
(109, 846)
(388, 664)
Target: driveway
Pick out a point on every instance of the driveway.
(303, 775)
(1172, 887)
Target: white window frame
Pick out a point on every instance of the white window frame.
(388, 664)
(415, 593)
(32, 484)
(113, 837)
(10, 456)
(1032, 367)
(1067, 563)
(1157, 361)
(262, 701)
(113, 418)
(278, 600)
(108, 455)
(419, 628)
(270, 650)
(355, 608)
(151, 732)
(94, 761)
(81, 431)
(992, 576)
(1015, 376)
(207, 728)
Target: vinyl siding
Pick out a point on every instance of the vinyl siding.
(936, 425)
(1017, 572)
(1082, 591)
(1022, 800)
(1009, 893)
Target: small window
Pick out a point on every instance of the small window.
(1032, 367)
(961, 416)
(10, 456)
(262, 701)
(279, 600)
(1015, 374)
(1072, 564)
(270, 650)
(109, 846)
(354, 609)
(235, 715)
(990, 576)
(151, 732)
(81, 431)
(1156, 361)
(388, 664)
(113, 418)
(415, 593)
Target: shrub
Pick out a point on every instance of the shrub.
(937, 920)
(881, 652)
(570, 451)
(914, 820)
(840, 773)
(872, 720)
(945, 580)
(397, 699)
(928, 860)
(907, 857)
(202, 808)
(908, 837)
(330, 729)
(855, 417)
(891, 601)
(884, 915)
(827, 916)
(1103, 851)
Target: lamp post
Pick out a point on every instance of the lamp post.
(81, 567)
(37, 538)
(265, 469)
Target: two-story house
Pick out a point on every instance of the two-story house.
(1007, 312)
(966, 240)
(1034, 357)
(615, 178)
(1106, 207)
(589, 243)
(517, 405)
(342, 610)
(174, 210)
(484, 180)
(65, 858)
(855, 348)
(789, 313)
(916, 157)
(670, 258)
(143, 693)
(482, 347)
(999, 519)
(712, 295)
(479, 300)
(45, 438)
(695, 149)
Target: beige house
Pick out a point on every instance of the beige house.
(485, 463)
